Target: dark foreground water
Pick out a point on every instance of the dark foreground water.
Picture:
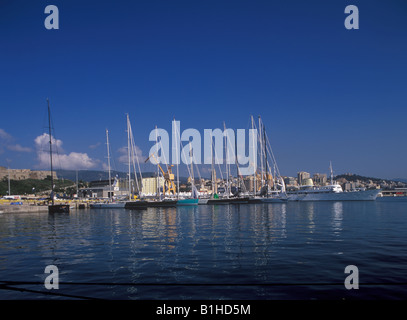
(262, 251)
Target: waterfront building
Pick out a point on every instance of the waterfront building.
(102, 188)
(396, 192)
(302, 176)
(290, 181)
(320, 179)
(349, 186)
(150, 184)
(214, 183)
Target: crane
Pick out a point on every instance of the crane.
(169, 185)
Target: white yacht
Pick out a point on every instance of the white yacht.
(333, 192)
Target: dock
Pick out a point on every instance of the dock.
(24, 206)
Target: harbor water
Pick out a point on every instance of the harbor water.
(275, 251)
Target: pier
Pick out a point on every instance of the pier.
(28, 206)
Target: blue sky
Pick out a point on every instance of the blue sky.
(325, 93)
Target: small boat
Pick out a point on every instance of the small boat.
(203, 201)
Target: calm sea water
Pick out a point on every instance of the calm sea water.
(257, 251)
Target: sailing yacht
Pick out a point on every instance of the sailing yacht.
(54, 208)
(278, 194)
(228, 196)
(110, 204)
(188, 201)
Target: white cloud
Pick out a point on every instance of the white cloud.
(6, 141)
(94, 146)
(73, 160)
(42, 143)
(4, 135)
(124, 157)
(18, 148)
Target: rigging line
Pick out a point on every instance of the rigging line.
(167, 164)
(196, 166)
(112, 166)
(53, 135)
(230, 147)
(216, 158)
(134, 155)
(270, 152)
(182, 148)
(137, 159)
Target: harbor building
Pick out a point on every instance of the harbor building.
(320, 179)
(102, 188)
(248, 183)
(302, 178)
(290, 181)
(396, 192)
(149, 185)
(214, 183)
(349, 186)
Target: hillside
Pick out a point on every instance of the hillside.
(355, 177)
(385, 183)
(31, 186)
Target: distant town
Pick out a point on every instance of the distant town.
(94, 184)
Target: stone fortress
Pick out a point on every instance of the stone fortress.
(22, 174)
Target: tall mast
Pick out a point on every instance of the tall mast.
(237, 167)
(177, 144)
(212, 169)
(158, 169)
(77, 184)
(254, 163)
(128, 153)
(265, 161)
(8, 171)
(332, 174)
(261, 152)
(108, 163)
(192, 167)
(50, 152)
(226, 159)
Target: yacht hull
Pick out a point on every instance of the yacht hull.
(367, 195)
(107, 205)
(187, 202)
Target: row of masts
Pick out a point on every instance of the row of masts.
(264, 150)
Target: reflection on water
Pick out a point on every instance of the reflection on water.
(209, 244)
(337, 217)
(309, 208)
